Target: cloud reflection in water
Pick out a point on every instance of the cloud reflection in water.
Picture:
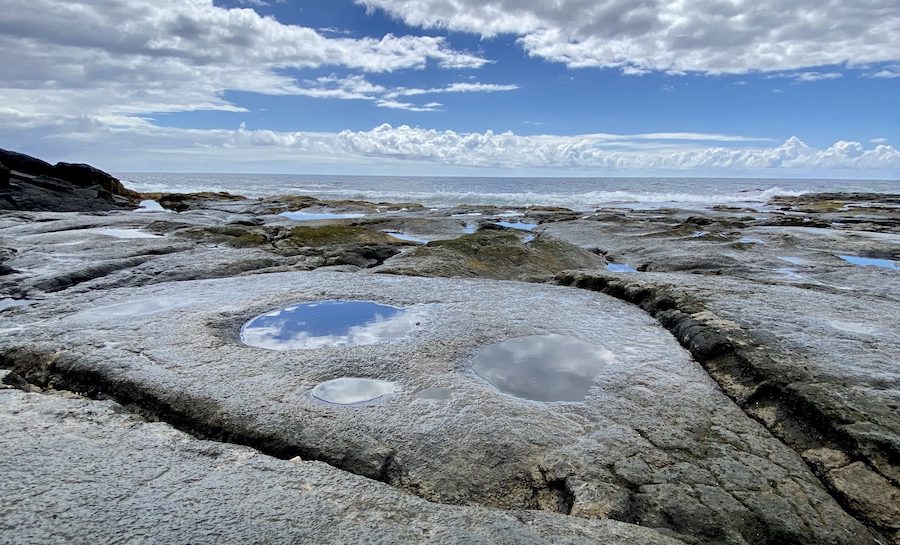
(542, 367)
(329, 323)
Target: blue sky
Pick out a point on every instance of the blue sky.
(496, 87)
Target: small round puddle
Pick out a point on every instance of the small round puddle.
(328, 323)
(542, 367)
(350, 390)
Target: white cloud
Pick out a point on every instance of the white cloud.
(115, 57)
(356, 87)
(807, 77)
(887, 73)
(454, 88)
(706, 36)
(879, 140)
(131, 146)
(399, 105)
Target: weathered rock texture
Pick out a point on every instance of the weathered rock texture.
(655, 443)
(65, 187)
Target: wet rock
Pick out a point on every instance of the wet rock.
(4, 176)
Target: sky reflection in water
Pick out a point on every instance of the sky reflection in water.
(350, 390)
(521, 226)
(870, 262)
(328, 323)
(542, 367)
(620, 267)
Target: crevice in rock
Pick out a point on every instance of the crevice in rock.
(37, 371)
(71, 279)
(743, 370)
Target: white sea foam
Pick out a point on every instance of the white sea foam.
(576, 193)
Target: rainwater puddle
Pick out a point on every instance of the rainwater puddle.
(509, 214)
(870, 262)
(8, 302)
(796, 261)
(620, 267)
(527, 238)
(542, 367)
(351, 390)
(439, 394)
(853, 327)
(521, 226)
(324, 215)
(407, 237)
(470, 228)
(328, 323)
(135, 308)
(122, 233)
(751, 240)
(150, 206)
(789, 274)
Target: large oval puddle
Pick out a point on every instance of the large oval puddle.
(352, 390)
(328, 323)
(542, 367)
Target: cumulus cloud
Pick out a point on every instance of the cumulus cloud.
(112, 57)
(609, 152)
(705, 36)
(116, 145)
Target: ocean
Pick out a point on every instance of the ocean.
(575, 193)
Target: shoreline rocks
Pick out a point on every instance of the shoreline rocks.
(146, 308)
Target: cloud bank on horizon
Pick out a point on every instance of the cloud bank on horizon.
(612, 87)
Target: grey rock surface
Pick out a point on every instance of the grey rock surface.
(655, 442)
(85, 472)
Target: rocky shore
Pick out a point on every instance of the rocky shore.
(749, 392)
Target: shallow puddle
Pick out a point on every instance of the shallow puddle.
(751, 240)
(135, 308)
(8, 302)
(542, 367)
(324, 215)
(122, 233)
(149, 206)
(328, 323)
(796, 261)
(620, 267)
(400, 235)
(870, 262)
(853, 327)
(351, 390)
(789, 274)
(470, 228)
(527, 238)
(521, 226)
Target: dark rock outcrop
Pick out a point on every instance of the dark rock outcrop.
(28, 183)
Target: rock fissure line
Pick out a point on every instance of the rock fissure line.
(732, 359)
(29, 369)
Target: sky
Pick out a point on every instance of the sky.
(735, 88)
